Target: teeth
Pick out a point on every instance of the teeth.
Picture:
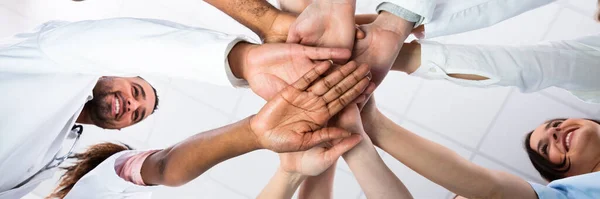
(117, 105)
(568, 140)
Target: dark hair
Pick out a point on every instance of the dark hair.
(85, 162)
(547, 169)
(155, 95)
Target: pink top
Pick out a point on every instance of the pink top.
(129, 167)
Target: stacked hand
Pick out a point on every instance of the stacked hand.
(293, 120)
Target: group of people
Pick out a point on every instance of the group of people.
(317, 67)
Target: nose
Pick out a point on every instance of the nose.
(132, 104)
(552, 133)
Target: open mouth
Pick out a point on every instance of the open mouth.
(568, 137)
(119, 106)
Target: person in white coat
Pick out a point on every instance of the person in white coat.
(570, 64)
(50, 75)
(292, 120)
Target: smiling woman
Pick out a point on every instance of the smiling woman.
(562, 148)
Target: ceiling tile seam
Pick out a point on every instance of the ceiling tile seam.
(552, 24)
(224, 185)
(489, 128)
(444, 136)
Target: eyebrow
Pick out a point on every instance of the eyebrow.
(141, 89)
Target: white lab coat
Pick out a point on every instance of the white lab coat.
(48, 75)
(571, 65)
(103, 182)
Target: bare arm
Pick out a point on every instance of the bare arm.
(373, 175)
(187, 160)
(282, 185)
(465, 179)
(318, 187)
(269, 23)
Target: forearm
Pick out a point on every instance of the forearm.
(444, 167)
(318, 187)
(190, 158)
(373, 175)
(282, 185)
(565, 64)
(257, 15)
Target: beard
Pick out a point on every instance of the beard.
(100, 107)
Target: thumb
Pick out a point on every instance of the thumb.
(342, 147)
(323, 135)
(293, 37)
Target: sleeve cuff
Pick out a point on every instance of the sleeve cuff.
(235, 82)
(401, 12)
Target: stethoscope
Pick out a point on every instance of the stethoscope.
(56, 161)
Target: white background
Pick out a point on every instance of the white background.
(484, 125)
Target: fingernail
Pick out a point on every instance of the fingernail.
(369, 75)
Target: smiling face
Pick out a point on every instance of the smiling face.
(120, 102)
(572, 146)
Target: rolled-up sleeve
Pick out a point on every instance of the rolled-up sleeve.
(132, 47)
(572, 65)
(424, 8)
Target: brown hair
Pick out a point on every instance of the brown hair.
(547, 169)
(85, 162)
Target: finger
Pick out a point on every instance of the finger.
(323, 135)
(293, 37)
(343, 146)
(338, 104)
(319, 53)
(348, 82)
(370, 89)
(360, 100)
(333, 78)
(359, 33)
(312, 75)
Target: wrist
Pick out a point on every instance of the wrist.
(237, 59)
(250, 136)
(409, 58)
(393, 23)
(292, 178)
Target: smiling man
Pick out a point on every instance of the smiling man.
(89, 72)
(119, 102)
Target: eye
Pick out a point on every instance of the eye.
(545, 150)
(556, 124)
(135, 92)
(135, 116)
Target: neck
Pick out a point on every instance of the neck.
(84, 117)
(597, 167)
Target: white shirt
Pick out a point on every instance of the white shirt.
(571, 65)
(104, 182)
(48, 75)
(458, 16)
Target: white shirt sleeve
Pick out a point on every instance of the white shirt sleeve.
(424, 8)
(132, 47)
(457, 16)
(572, 65)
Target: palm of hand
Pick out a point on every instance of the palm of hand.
(325, 24)
(290, 119)
(378, 49)
(276, 68)
(311, 162)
